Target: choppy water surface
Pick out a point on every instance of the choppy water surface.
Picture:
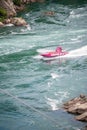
(34, 90)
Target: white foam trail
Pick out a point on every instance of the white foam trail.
(78, 52)
(37, 57)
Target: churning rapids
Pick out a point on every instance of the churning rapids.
(32, 91)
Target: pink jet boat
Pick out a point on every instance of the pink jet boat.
(58, 52)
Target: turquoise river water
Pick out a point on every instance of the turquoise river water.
(32, 91)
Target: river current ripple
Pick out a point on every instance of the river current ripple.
(32, 91)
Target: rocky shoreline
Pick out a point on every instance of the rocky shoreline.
(9, 9)
(78, 107)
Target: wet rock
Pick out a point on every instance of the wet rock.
(18, 21)
(7, 21)
(1, 24)
(14, 21)
(77, 106)
(82, 117)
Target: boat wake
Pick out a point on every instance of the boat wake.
(78, 52)
(72, 54)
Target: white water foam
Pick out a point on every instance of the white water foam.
(9, 25)
(40, 51)
(54, 75)
(28, 28)
(53, 103)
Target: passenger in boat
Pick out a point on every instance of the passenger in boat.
(59, 50)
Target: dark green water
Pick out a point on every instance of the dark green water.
(43, 86)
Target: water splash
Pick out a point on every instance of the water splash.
(53, 103)
(54, 75)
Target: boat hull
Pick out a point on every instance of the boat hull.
(53, 54)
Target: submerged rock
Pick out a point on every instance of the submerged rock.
(49, 13)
